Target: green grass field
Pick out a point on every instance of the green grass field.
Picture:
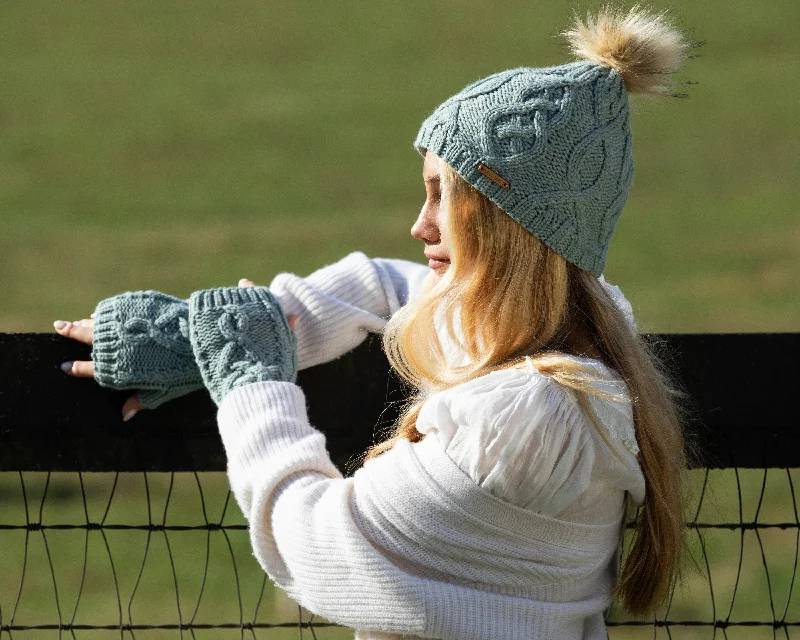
(178, 146)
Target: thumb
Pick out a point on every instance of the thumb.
(244, 282)
(131, 407)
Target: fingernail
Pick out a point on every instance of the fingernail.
(59, 324)
(243, 281)
(66, 366)
(92, 316)
(129, 415)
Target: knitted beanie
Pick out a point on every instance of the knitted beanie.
(551, 146)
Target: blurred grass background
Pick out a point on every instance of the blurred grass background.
(178, 146)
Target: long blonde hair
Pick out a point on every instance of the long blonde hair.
(507, 295)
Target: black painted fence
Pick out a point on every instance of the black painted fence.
(743, 389)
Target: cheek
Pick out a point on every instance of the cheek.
(444, 232)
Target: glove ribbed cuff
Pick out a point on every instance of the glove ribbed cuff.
(221, 296)
(106, 344)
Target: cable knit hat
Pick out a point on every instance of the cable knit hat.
(552, 146)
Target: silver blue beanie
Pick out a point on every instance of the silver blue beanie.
(552, 146)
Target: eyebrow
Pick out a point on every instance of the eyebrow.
(430, 179)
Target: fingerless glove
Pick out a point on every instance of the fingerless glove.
(240, 336)
(141, 341)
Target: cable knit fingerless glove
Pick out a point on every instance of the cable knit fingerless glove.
(240, 336)
(141, 341)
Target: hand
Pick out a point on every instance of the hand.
(240, 336)
(83, 331)
(244, 282)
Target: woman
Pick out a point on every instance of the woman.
(496, 508)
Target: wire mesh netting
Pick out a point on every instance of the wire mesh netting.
(167, 555)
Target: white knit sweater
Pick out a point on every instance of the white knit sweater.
(504, 522)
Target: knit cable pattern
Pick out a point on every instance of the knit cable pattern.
(560, 140)
(240, 336)
(141, 341)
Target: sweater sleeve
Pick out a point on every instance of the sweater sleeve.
(302, 513)
(339, 304)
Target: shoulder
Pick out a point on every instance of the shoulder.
(498, 400)
(526, 381)
(523, 399)
(530, 440)
(519, 434)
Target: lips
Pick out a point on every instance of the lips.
(435, 262)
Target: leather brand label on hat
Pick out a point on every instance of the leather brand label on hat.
(493, 176)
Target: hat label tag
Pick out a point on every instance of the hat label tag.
(493, 176)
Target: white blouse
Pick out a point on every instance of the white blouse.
(524, 438)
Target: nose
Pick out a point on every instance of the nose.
(425, 228)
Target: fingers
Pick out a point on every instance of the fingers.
(244, 282)
(79, 368)
(80, 330)
(131, 407)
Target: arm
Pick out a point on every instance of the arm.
(306, 523)
(409, 544)
(141, 338)
(339, 304)
(301, 511)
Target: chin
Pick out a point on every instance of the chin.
(437, 274)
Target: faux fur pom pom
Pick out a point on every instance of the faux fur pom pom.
(641, 46)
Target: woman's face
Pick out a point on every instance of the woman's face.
(431, 225)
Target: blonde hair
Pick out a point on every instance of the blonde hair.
(507, 295)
